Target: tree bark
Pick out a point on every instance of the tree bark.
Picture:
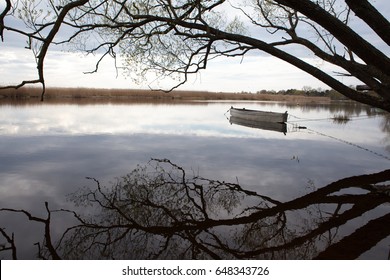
(367, 52)
(364, 10)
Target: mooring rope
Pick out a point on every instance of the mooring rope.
(350, 118)
(349, 143)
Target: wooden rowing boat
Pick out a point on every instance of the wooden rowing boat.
(260, 116)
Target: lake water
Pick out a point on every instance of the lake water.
(216, 190)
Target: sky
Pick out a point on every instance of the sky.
(251, 74)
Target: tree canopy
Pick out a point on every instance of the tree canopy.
(177, 38)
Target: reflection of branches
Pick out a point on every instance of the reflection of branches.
(360, 241)
(158, 211)
(158, 202)
(385, 126)
(47, 241)
(11, 241)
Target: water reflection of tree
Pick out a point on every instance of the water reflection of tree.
(346, 108)
(385, 125)
(160, 212)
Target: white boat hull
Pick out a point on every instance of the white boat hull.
(260, 116)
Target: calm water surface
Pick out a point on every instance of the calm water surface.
(217, 190)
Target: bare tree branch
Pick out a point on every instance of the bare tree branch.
(372, 17)
(2, 16)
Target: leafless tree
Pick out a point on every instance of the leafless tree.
(176, 38)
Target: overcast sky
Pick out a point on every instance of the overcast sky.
(253, 73)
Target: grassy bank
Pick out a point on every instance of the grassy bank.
(90, 93)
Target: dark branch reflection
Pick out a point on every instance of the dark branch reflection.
(161, 211)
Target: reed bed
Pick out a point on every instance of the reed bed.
(113, 94)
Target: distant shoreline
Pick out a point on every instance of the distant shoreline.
(32, 93)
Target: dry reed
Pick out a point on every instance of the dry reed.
(92, 93)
